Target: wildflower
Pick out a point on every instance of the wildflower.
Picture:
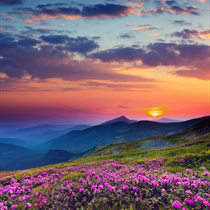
(43, 201)
(189, 192)
(207, 195)
(177, 204)
(206, 173)
(163, 191)
(14, 207)
(27, 205)
(119, 191)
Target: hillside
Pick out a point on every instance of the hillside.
(18, 142)
(80, 141)
(19, 133)
(47, 135)
(10, 152)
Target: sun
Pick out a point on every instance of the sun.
(155, 112)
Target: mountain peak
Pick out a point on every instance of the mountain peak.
(119, 119)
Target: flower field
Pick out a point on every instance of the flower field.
(107, 184)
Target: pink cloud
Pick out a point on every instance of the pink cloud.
(154, 34)
(136, 4)
(144, 28)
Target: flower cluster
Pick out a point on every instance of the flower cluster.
(106, 184)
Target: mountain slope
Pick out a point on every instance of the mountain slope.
(45, 136)
(166, 120)
(9, 152)
(80, 141)
(35, 130)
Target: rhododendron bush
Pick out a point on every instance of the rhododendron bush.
(106, 185)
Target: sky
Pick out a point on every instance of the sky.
(88, 61)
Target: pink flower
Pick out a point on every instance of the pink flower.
(27, 205)
(207, 195)
(177, 204)
(43, 201)
(163, 191)
(119, 191)
(14, 207)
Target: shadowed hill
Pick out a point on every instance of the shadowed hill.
(10, 152)
(119, 119)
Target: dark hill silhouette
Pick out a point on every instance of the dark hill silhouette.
(80, 141)
(119, 119)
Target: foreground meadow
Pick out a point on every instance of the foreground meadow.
(107, 184)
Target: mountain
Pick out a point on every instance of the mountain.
(166, 120)
(42, 137)
(119, 119)
(10, 152)
(57, 156)
(18, 142)
(80, 141)
(199, 133)
(35, 130)
(201, 129)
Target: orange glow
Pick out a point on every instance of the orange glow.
(155, 112)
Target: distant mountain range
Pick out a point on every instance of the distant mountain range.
(42, 133)
(106, 135)
(80, 141)
(166, 120)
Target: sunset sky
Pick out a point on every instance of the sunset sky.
(87, 61)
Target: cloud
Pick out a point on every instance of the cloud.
(165, 2)
(72, 13)
(126, 36)
(170, 10)
(154, 34)
(199, 71)
(43, 30)
(80, 44)
(55, 39)
(135, 24)
(25, 41)
(161, 54)
(136, 4)
(11, 2)
(47, 61)
(188, 10)
(125, 54)
(144, 28)
(181, 22)
(187, 33)
(202, 1)
(121, 86)
(34, 20)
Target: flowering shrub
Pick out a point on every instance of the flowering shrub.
(190, 159)
(106, 185)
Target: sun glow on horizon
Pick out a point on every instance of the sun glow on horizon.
(155, 112)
